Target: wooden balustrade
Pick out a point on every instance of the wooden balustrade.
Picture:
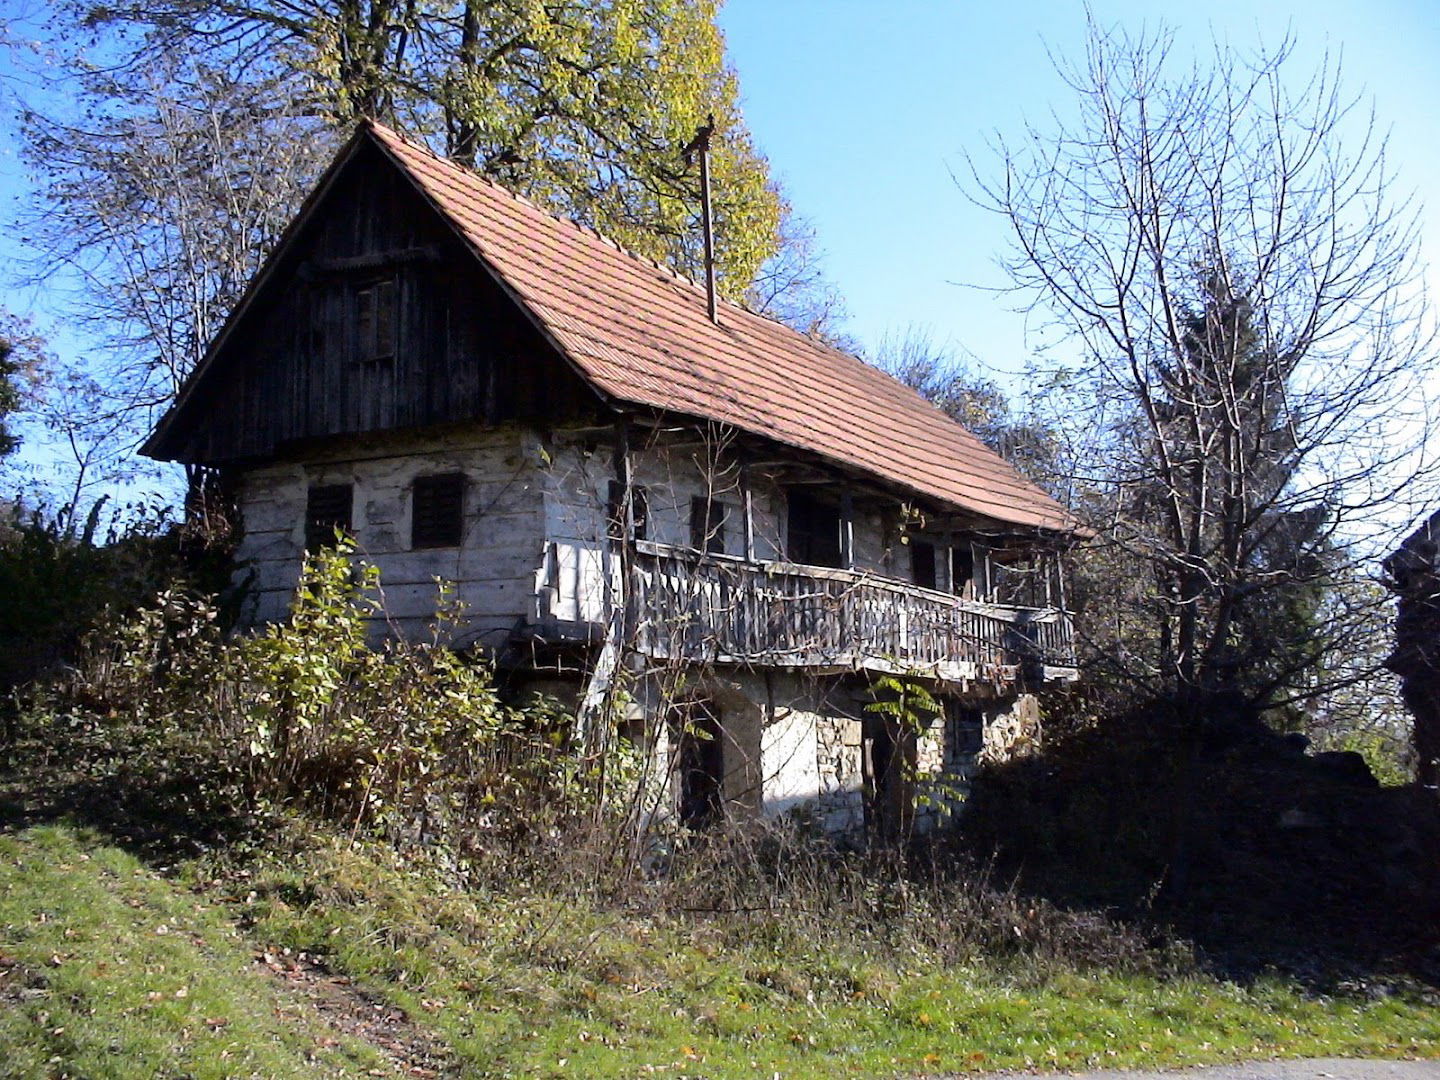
(712, 608)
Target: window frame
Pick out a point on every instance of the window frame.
(709, 518)
(443, 534)
(806, 518)
(320, 528)
(923, 564)
(962, 553)
(614, 510)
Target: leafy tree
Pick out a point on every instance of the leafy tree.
(179, 137)
(1253, 351)
(581, 106)
(25, 367)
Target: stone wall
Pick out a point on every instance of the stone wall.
(1414, 573)
(1011, 728)
(794, 744)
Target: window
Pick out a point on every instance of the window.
(375, 321)
(812, 531)
(708, 518)
(327, 508)
(965, 731)
(922, 564)
(615, 510)
(437, 512)
(962, 568)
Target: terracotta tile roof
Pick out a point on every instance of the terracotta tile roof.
(641, 334)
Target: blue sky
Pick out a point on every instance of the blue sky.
(866, 108)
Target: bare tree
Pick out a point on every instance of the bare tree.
(159, 199)
(162, 198)
(957, 385)
(581, 107)
(792, 287)
(1250, 346)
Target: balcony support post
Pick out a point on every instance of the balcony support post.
(624, 476)
(591, 732)
(747, 513)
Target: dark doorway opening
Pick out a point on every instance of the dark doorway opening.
(885, 752)
(812, 535)
(922, 564)
(699, 755)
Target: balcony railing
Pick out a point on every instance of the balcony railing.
(714, 608)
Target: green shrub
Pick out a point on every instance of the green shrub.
(406, 739)
(62, 575)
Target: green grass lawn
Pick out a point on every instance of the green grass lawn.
(112, 969)
(109, 970)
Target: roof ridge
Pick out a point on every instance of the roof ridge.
(637, 341)
(525, 200)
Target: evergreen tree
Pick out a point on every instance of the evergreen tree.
(9, 396)
(1247, 392)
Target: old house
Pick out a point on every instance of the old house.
(740, 525)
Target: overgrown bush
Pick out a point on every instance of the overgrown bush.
(408, 740)
(929, 903)
(171, 732)
(63, 574)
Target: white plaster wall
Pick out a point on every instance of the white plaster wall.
(789, 752)
(577, 585)
(809, 748)
(580, 582)
(494, 569)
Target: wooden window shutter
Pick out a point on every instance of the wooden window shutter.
(437, 516)
(385, 294)
(327, 507)
(375, 321)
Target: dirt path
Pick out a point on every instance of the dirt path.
(348, 1009)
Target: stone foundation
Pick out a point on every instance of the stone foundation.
(795, 745)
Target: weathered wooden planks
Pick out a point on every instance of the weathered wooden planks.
(295, 366)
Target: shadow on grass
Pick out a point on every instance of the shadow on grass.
(160, 807)
(1227, 835)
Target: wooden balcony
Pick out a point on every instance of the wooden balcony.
(725, 610)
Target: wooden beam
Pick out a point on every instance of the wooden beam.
(747, 513)
(374, 260)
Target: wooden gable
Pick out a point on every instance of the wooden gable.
(373, 316)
